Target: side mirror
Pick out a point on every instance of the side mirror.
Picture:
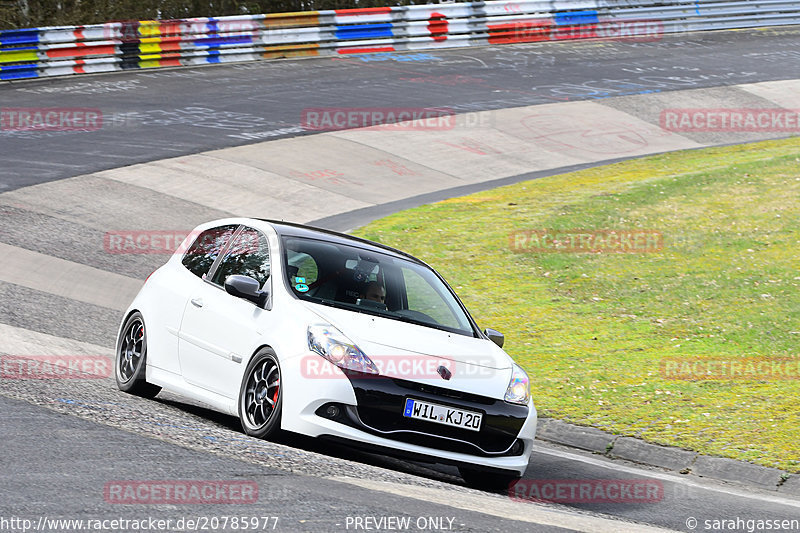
(247, 288)
(495, 336)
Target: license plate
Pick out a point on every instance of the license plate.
(441, 414)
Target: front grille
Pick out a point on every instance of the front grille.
(380, 411)
(442, 392)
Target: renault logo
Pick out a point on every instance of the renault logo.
(444, 372)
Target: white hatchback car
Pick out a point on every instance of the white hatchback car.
(327, 335)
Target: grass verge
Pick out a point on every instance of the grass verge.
(595, 330)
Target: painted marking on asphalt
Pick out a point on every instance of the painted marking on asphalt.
(60, 277)
(785, 93)
(21, 341)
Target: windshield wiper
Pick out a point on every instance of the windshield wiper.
(403, 318)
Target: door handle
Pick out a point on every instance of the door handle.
(197, 302)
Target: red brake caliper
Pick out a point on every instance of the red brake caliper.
(277, 389)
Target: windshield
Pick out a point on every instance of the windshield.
(352, 278)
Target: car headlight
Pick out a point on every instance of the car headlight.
(330, 343)
(518, 390)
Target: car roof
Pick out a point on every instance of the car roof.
(290, 229)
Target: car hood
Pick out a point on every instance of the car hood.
(378, 336)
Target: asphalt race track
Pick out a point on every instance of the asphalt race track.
(159, 114)
(62, 292)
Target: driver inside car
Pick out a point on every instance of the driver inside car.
(375, 292)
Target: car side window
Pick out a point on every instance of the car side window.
(248, 255)
(206, 247)
(302, 269)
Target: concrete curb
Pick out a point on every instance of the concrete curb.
(670, 458)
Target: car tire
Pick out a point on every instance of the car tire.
(488, 479)
(130, 363)
(261, 395)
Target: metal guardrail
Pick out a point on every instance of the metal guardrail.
(58, 51)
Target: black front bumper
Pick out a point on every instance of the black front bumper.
(381, 401)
